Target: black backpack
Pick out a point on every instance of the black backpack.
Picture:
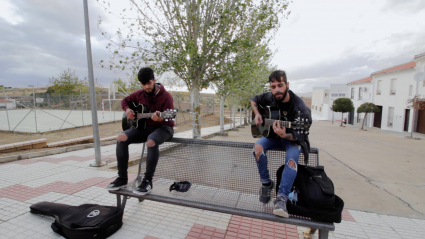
(81, 222)
(316, 195)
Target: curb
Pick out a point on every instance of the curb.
(12, 158)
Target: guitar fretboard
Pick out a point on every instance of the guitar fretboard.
(285, 124)
(144, 115)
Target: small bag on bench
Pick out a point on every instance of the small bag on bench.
(80, 222)
(316, 195)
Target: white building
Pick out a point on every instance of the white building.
(360, 91)
(390, 89)
(322, 100)
(7, 104)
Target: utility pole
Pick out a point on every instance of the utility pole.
(35, 114)
(93, 107)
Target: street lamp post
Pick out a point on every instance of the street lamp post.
(93, 107)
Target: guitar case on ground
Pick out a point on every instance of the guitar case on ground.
(81, 222)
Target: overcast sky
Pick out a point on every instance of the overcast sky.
(321, 43)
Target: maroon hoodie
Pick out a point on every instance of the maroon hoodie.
(160, 102)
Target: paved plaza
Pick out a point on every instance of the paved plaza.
(377, 174)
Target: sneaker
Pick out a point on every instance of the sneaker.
(280, 207)
(117, 184)
(144, 188)
(265, 192)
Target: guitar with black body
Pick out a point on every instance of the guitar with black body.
(143, 113)
(269, 117)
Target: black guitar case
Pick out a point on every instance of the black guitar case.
(81, 222)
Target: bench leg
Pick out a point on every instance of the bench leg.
(323, 234)
(121, 205)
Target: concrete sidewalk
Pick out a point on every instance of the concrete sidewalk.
(68, 178)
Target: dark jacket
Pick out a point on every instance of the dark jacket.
(160, 102)
(297, 109)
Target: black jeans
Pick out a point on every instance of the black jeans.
(158, 134)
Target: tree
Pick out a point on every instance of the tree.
(416, 103)
(241, 77)
(191, 37)
(67, 83)
(367, 108)
(342, 105)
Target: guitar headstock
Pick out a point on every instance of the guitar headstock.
(168, 114)
(301, 125)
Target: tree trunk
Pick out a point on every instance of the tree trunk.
(240, 116)
(364, 119)
(196, 111)
(222, 114)
(342, 118)
(234, 117)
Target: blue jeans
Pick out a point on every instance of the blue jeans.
(289, 173)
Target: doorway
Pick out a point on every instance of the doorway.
(406, 119)
(378, 118)
(421, 122)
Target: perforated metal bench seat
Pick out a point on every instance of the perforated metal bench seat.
(224, 179)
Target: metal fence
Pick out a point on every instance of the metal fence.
(24, 111)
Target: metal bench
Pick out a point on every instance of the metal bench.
(224, 179)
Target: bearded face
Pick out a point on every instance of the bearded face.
(279, 90)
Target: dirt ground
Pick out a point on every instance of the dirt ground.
(105, 130)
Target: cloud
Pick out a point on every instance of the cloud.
(404, 7)
(49, 39)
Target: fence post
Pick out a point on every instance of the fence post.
(5, 103)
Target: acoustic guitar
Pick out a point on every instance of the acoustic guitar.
(269, 117)
(143, 113)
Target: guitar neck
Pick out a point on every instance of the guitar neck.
(144, 115)
(285, 124)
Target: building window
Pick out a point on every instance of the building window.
(352, 93)
(334, 95)
(326, 94)
(342, 95)
(390, 116)
(320, 109)
(316, 107)
(393, 86)
(378, 88)
(360, 93)
(410, 90)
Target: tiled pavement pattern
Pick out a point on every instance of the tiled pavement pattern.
(67, 178)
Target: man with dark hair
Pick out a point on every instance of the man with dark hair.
(291, 107)
(157, 131)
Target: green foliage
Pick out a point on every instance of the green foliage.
(368, 108)
(67, 83)
(342, 105)
(134, 83)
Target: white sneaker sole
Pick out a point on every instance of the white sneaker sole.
(141, 193)
(280, 213)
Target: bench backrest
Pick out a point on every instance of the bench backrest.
(218, 164)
